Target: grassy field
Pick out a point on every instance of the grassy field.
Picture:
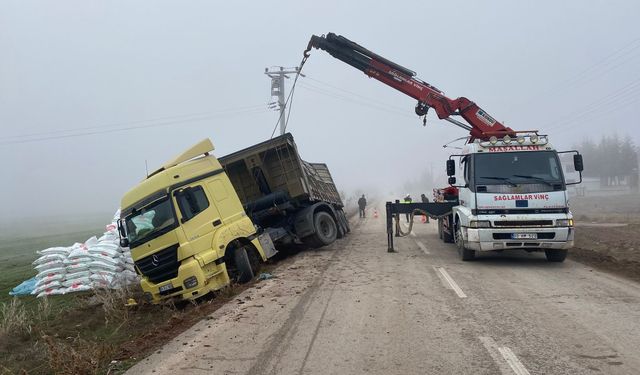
(81, 333)
(17, 253)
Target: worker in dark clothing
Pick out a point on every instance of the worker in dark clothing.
(362, 204)
(425, 200)
(407, 199)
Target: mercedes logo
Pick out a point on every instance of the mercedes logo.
(155, 260)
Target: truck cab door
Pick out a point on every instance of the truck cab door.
(466, 192)
(198, 215)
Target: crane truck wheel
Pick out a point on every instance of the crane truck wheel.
(326, 230)
(465, 254)
(447, 237)
(440, 228)
(243, 272)
(556, 255)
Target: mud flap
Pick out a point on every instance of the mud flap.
(267, 245)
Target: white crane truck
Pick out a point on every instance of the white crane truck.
(513, 194)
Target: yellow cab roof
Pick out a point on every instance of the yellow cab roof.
(193, 164)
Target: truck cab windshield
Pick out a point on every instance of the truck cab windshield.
(151, 221)
(517, 168)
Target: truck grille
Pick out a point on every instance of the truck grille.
(160, 266)
(523, 223)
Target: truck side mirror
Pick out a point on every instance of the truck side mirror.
(452, 180)
(577, 163)
(124, 241)
(451, 167)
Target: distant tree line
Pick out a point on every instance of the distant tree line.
(613, 160)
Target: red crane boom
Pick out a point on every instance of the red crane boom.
(480, 124)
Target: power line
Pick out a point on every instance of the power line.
(111, 125)
(154, 125)
(352, 100)
(358, 95)
(591, 70)
(612, 98)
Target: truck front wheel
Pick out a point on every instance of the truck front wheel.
(243, 273)
(465, 254)
(447, 237)
(326, 230)
(556, 255)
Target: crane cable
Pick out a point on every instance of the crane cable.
(418, 211)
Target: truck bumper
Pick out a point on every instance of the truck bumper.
(492, 239)
(209, 278)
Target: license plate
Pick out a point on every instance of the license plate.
(524, 236)
(164, 288)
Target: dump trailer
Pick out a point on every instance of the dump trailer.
(198, 222)
(294, 201)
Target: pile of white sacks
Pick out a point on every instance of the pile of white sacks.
(96, 263)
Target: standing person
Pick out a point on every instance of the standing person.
(407, 199)
(425, 200)
(362, 204)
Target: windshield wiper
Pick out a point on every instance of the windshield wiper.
(534, 178)
(508, 181)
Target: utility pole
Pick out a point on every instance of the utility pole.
(277, 89)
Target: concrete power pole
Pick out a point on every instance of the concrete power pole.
(277, 89)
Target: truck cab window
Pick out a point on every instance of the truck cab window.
(191, 201)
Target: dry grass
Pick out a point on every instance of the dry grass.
(14, 318)
(77, 357)
(113, 303)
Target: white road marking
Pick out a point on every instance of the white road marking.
(513, 361)
(509, 362)
(422, 247)
(451, 282)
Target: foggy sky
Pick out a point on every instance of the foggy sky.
(190, 70)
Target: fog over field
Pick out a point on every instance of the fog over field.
(91, 90)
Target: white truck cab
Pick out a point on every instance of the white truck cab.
(513, 196)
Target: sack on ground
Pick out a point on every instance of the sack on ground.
(54, 250)
(49, 258)
(49, 265)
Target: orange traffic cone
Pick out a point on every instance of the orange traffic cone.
(375, 214)
(424, 219)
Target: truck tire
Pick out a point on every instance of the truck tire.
(440, 230)
(341, 230)
(243, 271)
(465, 254)
(344, 219)
(446, 236)
(326, 230)
(556, 255)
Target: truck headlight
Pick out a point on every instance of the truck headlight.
(190, 282)
(479, 224)
(564, 222)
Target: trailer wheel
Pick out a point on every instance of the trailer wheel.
(341, 230)
(326, 229)
(344, 219)
(243, 273)
(465, 254)
(556, 255)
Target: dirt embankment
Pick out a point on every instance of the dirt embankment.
(603, 244)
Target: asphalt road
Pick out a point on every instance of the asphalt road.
(353, 308)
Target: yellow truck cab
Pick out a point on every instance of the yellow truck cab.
(187, 229)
